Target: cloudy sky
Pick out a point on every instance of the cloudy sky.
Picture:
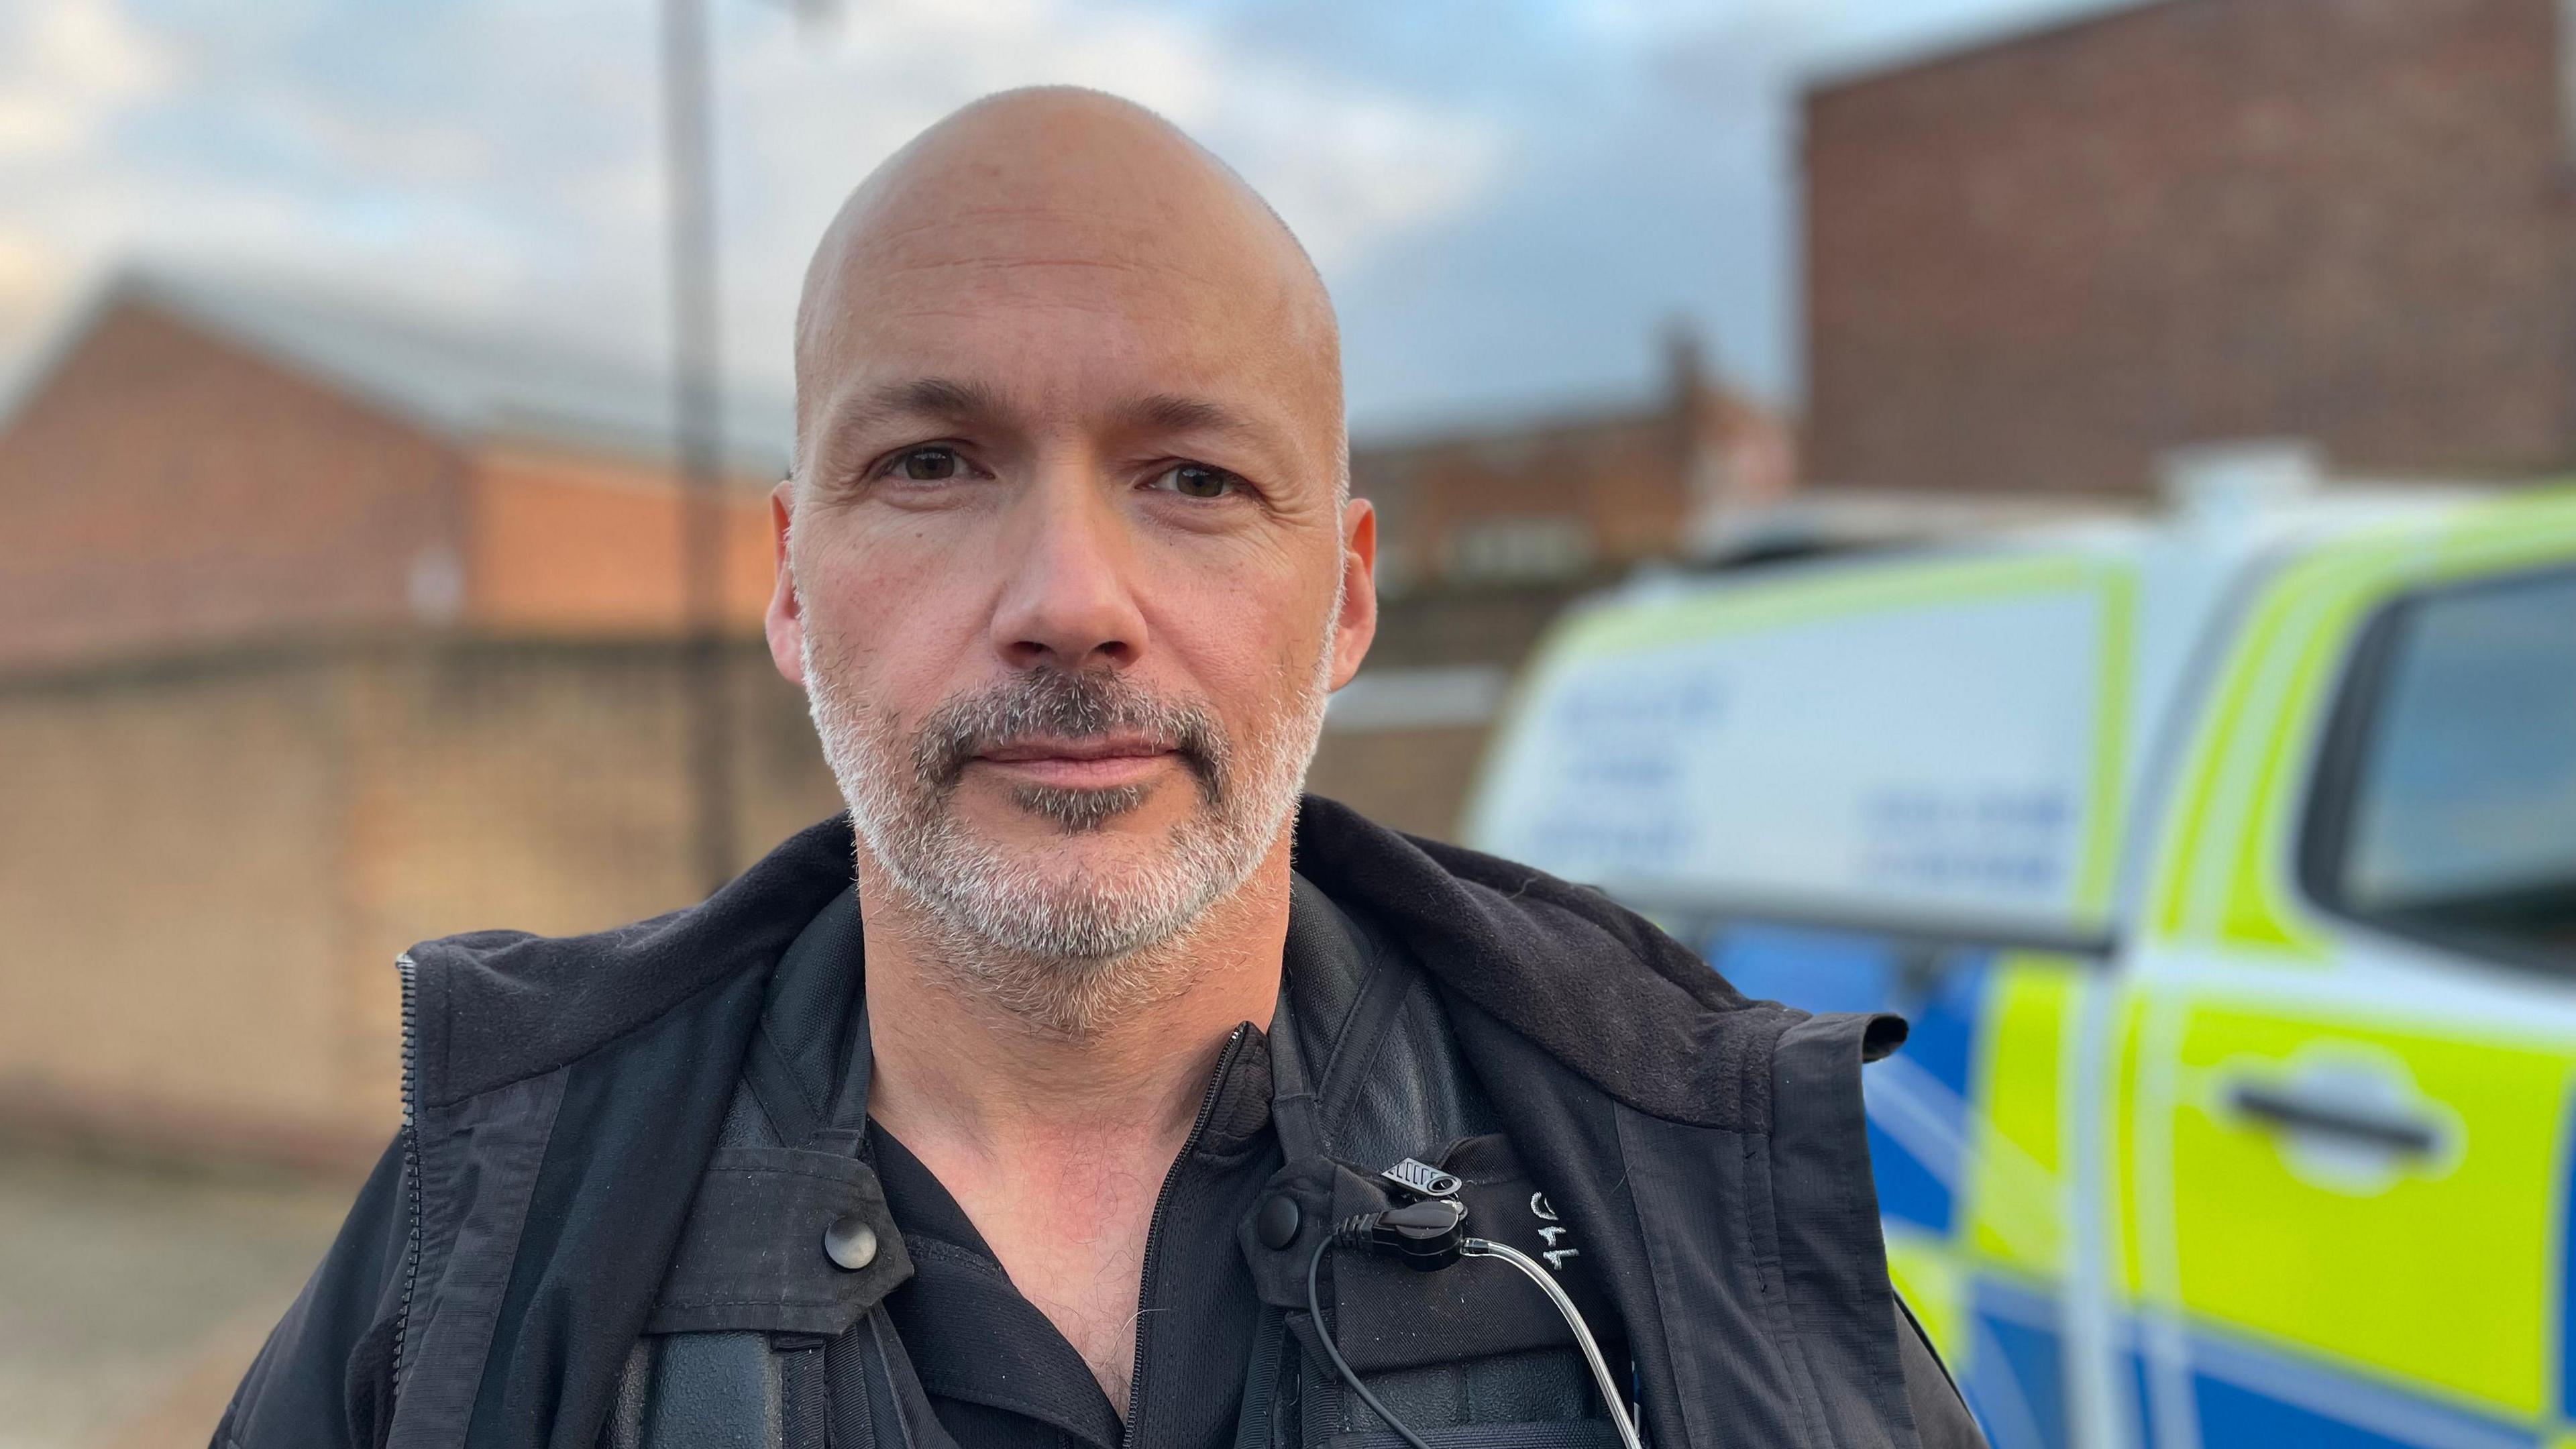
(1508, 197)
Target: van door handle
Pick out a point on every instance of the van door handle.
(2288, 1109)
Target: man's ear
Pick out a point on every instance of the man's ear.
(785, 621)
(1356, 626)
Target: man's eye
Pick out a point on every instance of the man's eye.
(927, 465)
(1197, 480)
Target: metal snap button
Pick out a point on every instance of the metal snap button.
(850, 1242)
(1275, 1223)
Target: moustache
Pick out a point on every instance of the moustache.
(1070, 705)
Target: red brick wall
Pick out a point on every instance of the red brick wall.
(566, 544)
(1623, 481)
(2039, 265)
(163, 488)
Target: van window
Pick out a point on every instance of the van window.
(2448, 807)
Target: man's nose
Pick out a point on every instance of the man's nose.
(1068, 600)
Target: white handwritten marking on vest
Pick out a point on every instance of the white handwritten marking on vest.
(1544, 1210)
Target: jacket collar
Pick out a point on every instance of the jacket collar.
(1590, 983)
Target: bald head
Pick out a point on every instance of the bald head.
(1053, 203)
(1068, 563)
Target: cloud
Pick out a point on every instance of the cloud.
(1508, 197)
(65, 68)
(1348, 165)
(504, 161)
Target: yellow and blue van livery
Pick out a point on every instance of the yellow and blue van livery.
(2225, 866)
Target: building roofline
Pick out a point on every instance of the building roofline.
(466, 396)
(1858, 65)
(1476, 426)
(63, 333)
(1472, 427)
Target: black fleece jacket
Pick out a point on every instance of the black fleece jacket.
(563, 1096)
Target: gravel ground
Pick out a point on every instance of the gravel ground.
(131, 1298)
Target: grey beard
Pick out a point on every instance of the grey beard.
(1061, 955)
(1078, 812)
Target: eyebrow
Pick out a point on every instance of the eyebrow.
(1173, 413)
(935, 397)
(953, 399)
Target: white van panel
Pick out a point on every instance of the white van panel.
(1937, 755)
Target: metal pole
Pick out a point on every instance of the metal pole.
(697, 413)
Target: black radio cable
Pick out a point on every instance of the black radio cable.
(1342, 1366)
(1429, 1236)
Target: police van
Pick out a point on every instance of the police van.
(2225, 867)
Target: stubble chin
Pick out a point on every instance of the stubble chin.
(1084, 924)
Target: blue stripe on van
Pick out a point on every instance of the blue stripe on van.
(1810, 970)
(1943, 1038)
(2016, 1380)
(1910, 1189)
(1915, 1152)
(2231, 1416)
(1837, 971)
(2142, 1401)
(2241, 1395)
(2246, 1395)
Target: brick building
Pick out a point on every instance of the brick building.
(1486, 532)
(202, 461)
(2040, 263)
(324, 629)
(1543, 500)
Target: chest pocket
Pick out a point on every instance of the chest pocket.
(783, 1252)
(1474, 1353)
(781, 1241)
(1388, 1316)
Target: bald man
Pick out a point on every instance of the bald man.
(1083, 1084)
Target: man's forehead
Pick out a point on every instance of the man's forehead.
(1067, 343)
(1064, 203)
(934, 233)
(953, 261)
(1058, 339)
(964, 267)
(1046, 160)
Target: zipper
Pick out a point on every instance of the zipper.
(409, 971)
(1154, 1226)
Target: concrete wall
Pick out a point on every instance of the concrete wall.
(2037, 265)
(178, 948)
(207, 869)
(208, 865)
(1415, 780)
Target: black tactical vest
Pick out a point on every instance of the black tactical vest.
(771, 1331)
